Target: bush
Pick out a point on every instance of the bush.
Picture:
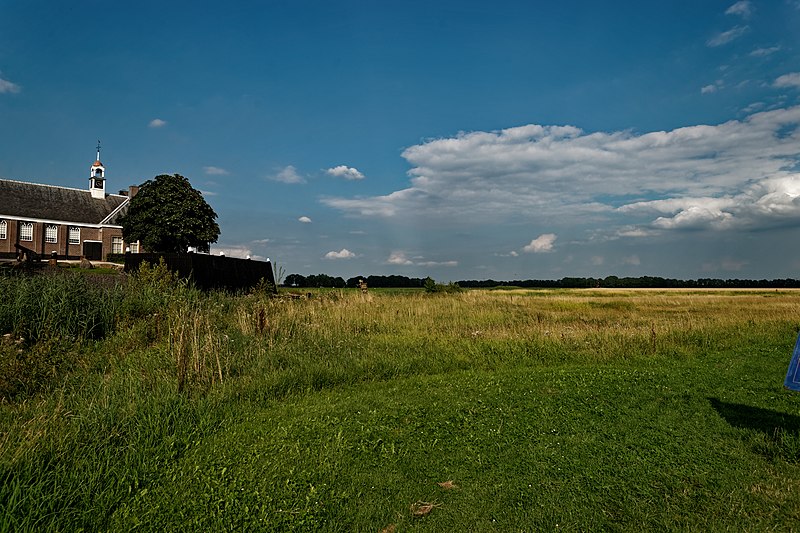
(431, 286)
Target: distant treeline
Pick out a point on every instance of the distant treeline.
(650, 282)
(377, 282)
(643, 282)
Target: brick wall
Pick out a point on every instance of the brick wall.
(62, 247)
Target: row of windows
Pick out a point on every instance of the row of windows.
(117, 244)
(50, 232)
(51, 236)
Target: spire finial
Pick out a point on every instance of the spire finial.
(98, 149)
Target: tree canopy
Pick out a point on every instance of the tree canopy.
(169, 215)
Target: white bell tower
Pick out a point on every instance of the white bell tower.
(97, 177)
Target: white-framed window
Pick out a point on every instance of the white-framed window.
(51, 233)
(116, 245)
(74, 235)
(26, 231)
(135, 247)
(3, 230)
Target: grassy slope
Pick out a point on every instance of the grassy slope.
(571, 410)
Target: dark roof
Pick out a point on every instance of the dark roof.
(31, 200)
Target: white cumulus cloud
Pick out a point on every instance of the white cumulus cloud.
(288, 175)
(157, 123)
(344, 253)
(348, 173)
(542, 243)
(788, 80)
(695, 217)
(399, 258)
(769, 203)
(238, 251)
(304, 220)
(609, 181)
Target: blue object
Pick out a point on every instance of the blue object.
(793, 375)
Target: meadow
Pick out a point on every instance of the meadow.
(147, 405)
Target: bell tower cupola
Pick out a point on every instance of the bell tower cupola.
(97, 177)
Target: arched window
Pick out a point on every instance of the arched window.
(51, 233)
(74, 235)
(3, 230)
(26, 231)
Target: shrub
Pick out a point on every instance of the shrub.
(149, 291)
(431, 286)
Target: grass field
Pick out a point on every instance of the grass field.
(478, 411)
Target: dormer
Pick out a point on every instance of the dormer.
(97, 177)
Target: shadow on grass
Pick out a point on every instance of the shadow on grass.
(757, 418)
(779, 432)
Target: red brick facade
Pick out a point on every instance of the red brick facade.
(39, 244)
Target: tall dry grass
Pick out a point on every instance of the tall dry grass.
(344, 336)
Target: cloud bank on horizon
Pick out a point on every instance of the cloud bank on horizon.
(741, 174)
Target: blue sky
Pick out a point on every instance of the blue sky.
(460, 140)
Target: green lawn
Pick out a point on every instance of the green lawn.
(637, 447)
(546, 410)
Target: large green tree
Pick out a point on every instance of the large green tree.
(169, 215)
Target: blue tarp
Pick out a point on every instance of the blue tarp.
(793, 375)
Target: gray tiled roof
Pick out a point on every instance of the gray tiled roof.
(31, 200)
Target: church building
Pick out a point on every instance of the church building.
(73, 223)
